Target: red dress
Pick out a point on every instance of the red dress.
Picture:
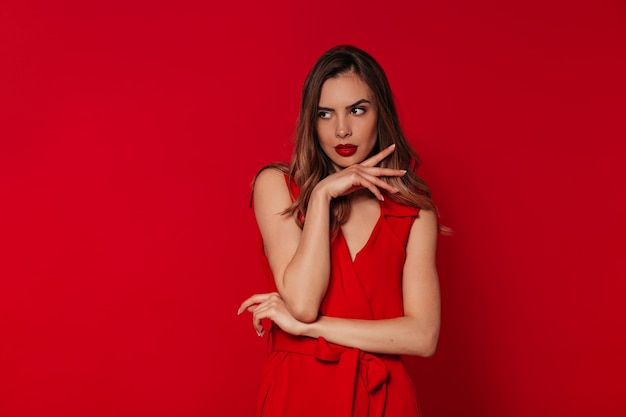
(311, 377)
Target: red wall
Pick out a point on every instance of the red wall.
(129, 132)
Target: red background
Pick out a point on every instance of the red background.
(130, 132)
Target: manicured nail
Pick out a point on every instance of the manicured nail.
(260, 333)
(382, 198)
(393, 145)
(397, 190)
(238, 311)
(403, 171)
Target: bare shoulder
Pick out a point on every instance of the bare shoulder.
(279, 230)
(270, 192)
(270, 179)
(424, 232)
(427, 219)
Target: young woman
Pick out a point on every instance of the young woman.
(349, 234)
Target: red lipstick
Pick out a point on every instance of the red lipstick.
(346, 149)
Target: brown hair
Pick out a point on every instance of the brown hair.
(310, 164)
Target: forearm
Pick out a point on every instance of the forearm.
(402, 335)
(305, 280)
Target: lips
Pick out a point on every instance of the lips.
(346, 149)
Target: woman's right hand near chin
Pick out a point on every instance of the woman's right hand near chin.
(358, 176)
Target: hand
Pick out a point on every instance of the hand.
(363, 175)
(271, 306)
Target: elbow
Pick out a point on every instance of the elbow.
(425, 344)
(303, 308)
(429, 349)
(304, 313)
(430, 343)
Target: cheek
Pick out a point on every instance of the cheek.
(373, 130)
(323, 134)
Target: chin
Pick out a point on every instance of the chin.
(343, 165)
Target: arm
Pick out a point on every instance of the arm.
(300, 259)
(415, 333)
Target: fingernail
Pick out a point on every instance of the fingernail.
(260, 333)
(238, 311)
(397, 190)
(393, 145)
(382, 198)
(403, 171)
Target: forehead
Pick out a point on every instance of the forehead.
(343, 90)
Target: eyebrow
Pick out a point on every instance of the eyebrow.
(351, 106)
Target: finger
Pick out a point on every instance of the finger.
(255, 299)
(257, 319)
(363, 182)
(266, 310)
(258, 326)
(380, 183)
(359, 178)
(375, 160)
(384, 172)
(371, 175)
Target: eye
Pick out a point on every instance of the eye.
(323, 114)
(357, 111)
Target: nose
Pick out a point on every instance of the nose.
(343, 129)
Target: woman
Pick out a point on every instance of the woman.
(349, 234)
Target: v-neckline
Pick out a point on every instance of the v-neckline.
(369, 238)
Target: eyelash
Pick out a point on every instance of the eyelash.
(355, 111)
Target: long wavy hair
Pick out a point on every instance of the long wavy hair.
(310, 164)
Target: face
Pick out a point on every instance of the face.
(346, 120)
